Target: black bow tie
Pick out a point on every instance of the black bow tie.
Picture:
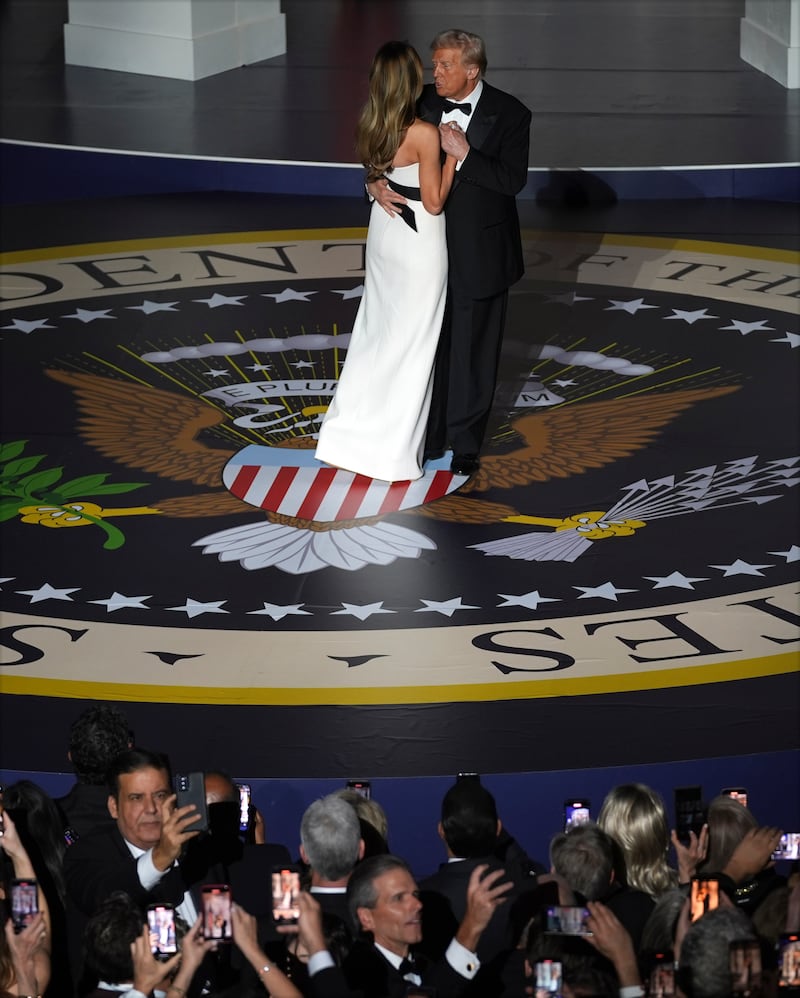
(407, 966)
(463, 108)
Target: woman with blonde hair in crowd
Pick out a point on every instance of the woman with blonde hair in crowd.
(635, 817)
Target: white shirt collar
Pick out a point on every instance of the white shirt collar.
(472, 98)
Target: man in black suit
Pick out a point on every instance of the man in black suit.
(384, 900)
(138, 852)
(489, 132)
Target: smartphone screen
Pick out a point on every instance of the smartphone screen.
(190, 789)
(547, 974)
(737, 793)
(568, 921)
(361, 787)
(745, 966)
(161, 924)
(661, 983)
(217, 912)
(788, 847)
(285, 892)
(690, 815)
(577, 811)
(789, 961)
(704, 897)
(244, 807)
(24, 902)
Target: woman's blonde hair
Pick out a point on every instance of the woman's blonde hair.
(395, 84)
(635, 817)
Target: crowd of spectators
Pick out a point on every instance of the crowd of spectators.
(608, 915)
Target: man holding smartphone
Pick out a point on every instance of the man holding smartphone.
(139, 852)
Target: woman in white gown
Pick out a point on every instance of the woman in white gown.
(375, 425)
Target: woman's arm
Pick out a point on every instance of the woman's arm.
(435, 180)
(245, 936)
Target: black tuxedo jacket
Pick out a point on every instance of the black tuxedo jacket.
(483, 239)
(370, 975)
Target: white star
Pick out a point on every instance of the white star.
(193, 607)
(217, 299)
(530, 600)
(446, 607)
(259, 367)
(793, 554)
(352, 293)
(793, 339)
(748, 327)
(148, 307)
(690, 317)
(631, 307)
(289, 294)
(216, 372)
(360, 611)
(118, 602)
(607, 591)
(28, 325)
(9, 579)
(300, 364)
(88, 315)
(677, 580)
(564, 383)
(47, 592)
(740, 567)
(569, 298)
(279, 612)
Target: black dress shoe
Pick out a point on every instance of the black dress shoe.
(465, 464)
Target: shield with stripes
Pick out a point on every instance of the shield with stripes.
(293, 483)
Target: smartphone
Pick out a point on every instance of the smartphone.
(577, 811)
(661, 982)
(468, 776)
(567, 920)
(24, 902)
(285, 893)
(190, 789)
(690, 813)
(738, 793)
(161, 925)
(216, 900)
(547, 977)
(244, 807)
(70, 836)
(789, 961)
(361, 787)
(704, 896)
(745, 966)
(788, 847)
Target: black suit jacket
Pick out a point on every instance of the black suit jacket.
(370, 975)
(484, 247)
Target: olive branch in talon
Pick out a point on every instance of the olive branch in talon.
(37, 495)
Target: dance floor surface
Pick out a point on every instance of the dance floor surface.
(630, 541)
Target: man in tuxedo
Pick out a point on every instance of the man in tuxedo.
(384, 900)
(489, 133)
(138, 852)
(331, 845)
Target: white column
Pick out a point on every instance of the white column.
(181, 39)
(769, 39)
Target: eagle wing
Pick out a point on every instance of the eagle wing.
(146, 428)
(570, 439)
(465, 510)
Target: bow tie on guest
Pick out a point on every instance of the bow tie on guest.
(407, 966)
(463, 108)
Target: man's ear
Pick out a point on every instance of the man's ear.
(303, 855)
(440, 830)
(366, 919)
(113, 810)
(361, 848)
(499, 827)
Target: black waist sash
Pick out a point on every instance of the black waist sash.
(412, 194)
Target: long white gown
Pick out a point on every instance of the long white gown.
(375, 425)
